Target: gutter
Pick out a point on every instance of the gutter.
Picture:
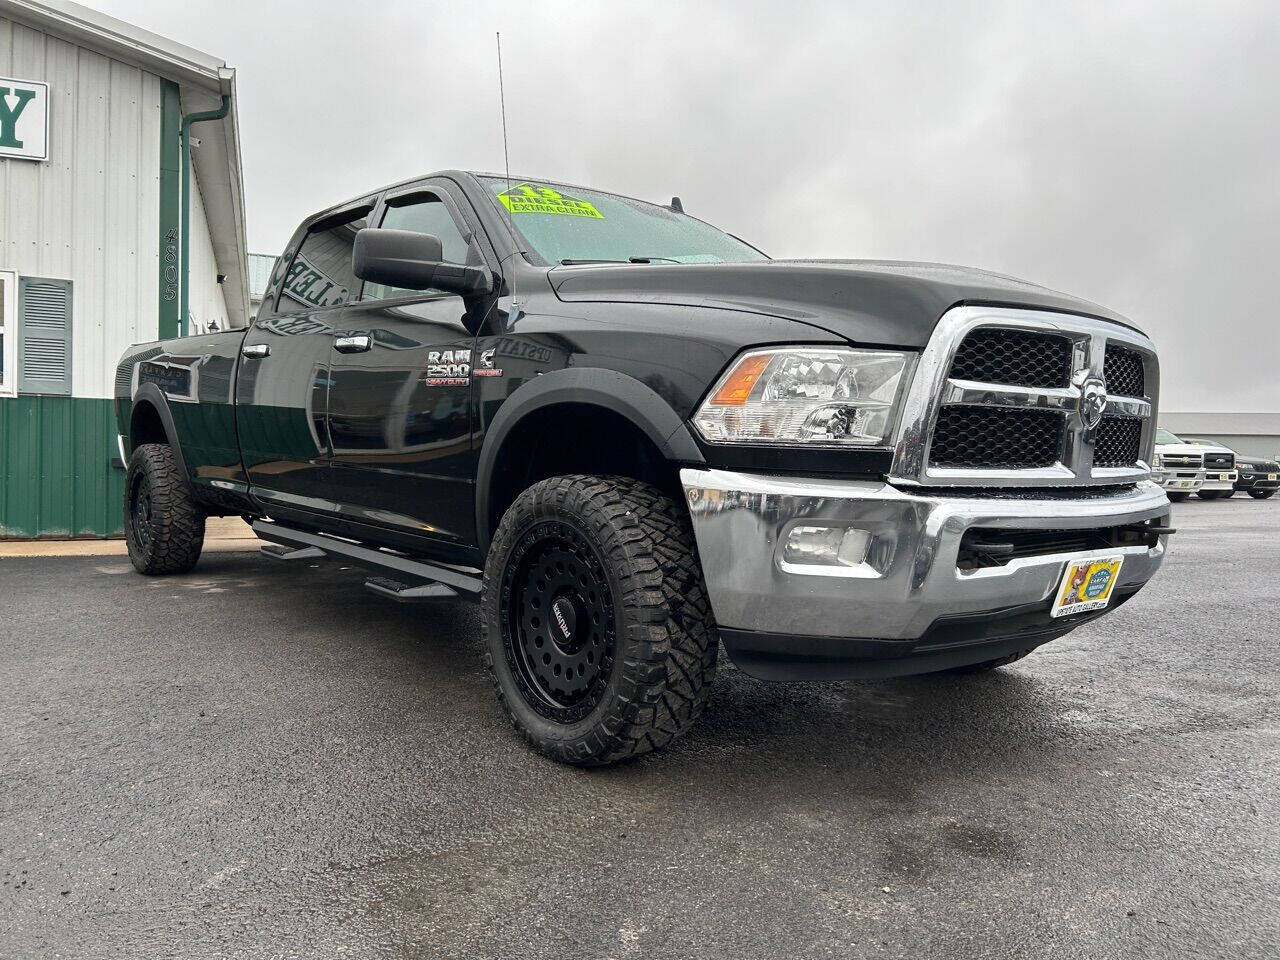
(189, 120)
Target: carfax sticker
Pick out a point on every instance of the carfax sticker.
(528, 198)
(1087, 585)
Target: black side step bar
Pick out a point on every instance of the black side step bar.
(407, 592)
(429, 576)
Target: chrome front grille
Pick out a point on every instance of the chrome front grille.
(1194, 461)
(1005, 397)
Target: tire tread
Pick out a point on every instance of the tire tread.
(668, 657)
(178, 537)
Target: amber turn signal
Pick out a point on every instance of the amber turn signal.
(737, 386)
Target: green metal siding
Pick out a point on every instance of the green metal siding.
(170, 208)
(56, 477)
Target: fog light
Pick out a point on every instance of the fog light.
(814, 546)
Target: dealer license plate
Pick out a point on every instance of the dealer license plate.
(1273, 476)
(1086, 585)
(1224, 476)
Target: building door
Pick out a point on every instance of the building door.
(400, 417)
(283, 376)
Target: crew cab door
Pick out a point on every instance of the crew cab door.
(400, 404)
(283, 374)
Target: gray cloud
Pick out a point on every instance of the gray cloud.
(1126, 152)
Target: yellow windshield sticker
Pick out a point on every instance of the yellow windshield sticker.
(527, 198)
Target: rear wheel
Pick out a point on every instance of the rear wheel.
(163, 527)
(598, 633)
(1215, 494)
(1178, 497)
(1262, 494)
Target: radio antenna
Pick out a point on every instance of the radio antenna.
(502, 100)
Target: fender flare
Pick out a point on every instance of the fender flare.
(609, 389)
(153, 395)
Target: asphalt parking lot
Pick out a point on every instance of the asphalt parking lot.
(257, 760)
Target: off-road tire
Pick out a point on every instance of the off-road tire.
(664, 641)
(1178, 497)
(1262, 494)
(1215, 494)
(986, 665)
(169, 538)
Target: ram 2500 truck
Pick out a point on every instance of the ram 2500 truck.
(634, 437)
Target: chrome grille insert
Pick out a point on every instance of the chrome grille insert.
(997, 437)
(1119, 442)
(1014, 357)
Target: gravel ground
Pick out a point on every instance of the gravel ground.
(258, 760)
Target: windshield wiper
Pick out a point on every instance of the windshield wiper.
(574, 263)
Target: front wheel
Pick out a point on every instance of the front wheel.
(1262, 494)
(163, 526)
(598, 632)
(1215, 494)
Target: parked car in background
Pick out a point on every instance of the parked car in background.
(1258, 477)
(1177, 466)
(1219, 469)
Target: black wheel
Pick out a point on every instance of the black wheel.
(986, 665)
(598, 633)
(1178, 497)
(163, 527)
(1262, 494)
(1215, 494)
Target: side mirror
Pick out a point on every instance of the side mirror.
(414, 261)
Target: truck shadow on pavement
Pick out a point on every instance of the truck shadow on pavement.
(874, 738)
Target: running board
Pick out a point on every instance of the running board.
(278, 551)
(397, 565)
(406, 592)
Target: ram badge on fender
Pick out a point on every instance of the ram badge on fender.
(634, 437)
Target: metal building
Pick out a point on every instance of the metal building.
(110, 139)
(261, 266)
(1251, 434)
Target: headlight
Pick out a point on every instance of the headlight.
(1246, 465)
(823, 396)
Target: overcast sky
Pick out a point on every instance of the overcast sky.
(1125, 152)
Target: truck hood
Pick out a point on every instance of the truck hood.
(1186, 449)
(875, 303)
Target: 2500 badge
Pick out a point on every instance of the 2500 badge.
(452, 368)
(448, 368)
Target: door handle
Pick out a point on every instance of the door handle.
(255, 351)
(358, 343)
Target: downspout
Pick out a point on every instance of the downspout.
(184, 311)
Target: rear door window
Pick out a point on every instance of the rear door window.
(320, 274)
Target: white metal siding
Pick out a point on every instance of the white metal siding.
(207, 301)
(90, 214)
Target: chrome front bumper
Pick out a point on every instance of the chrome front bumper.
(1179, 479)
(910, 577)
(1213, 480)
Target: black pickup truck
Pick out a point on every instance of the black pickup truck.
(634, 437)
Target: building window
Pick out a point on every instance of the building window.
(8, 333)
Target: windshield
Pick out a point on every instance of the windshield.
(569, 224)
(1164, 436)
